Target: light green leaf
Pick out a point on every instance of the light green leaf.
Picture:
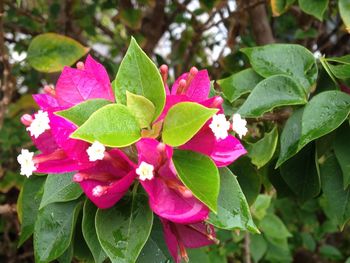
(287, 59)
(280, 6)
(138, 74)
(260, 206)
(233, 209)
(141, 107)
(28, 205)
(262, 151)
(50, 52)
(113, 125)
(290, 136)
(344, 9)
(258, 247)
(323, 114)
(180, 125)
(81, 112)
(340, 71)
(60, 188)
(199, 174)
(273, 227)
(89, 232)
(275, 91)
(124, 229)
(342, 151)
(54, 229)
(239, 84)
(315, 8)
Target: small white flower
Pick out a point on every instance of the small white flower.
(40, 124)
(145, 171)
(25, 159)
(96, 151)
(219, 125)
(239, 125)
(97, 191)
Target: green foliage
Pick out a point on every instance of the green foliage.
(314, 7)
(142, 108)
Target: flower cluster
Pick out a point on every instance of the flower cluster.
(105, 174)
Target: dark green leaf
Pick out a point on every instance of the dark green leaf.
(273, 227)
(342, 151)
(260, 206)
(275, 91)
(258, 247)
(60, 188)
(50, 52)
(113, 125)
(315, 8)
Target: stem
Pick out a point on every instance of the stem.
(247, 258)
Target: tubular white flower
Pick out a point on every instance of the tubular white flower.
(220, 126)
(96, 151)
(40, 124)
(145, 171)
(25, 159)
(239, 125)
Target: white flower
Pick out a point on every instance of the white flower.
(97, 191)
(145, 171)
(25, 159)
(239, 125)
(96, 151)
(40, 124)
(219, 125)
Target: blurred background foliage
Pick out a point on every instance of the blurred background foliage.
(203, 33)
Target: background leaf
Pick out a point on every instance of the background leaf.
(344, 9)
(315, 8)
(342, 151)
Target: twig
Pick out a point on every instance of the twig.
(247, 258)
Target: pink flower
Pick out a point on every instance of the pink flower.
(168, 197)
(178, 237)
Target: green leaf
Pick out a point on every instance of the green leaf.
(124, 229)
(331, 252)
(180, 125)
(67, 256)
(233, 209)
(344, 9)
(60, 188)
(287, 59)
(290, 136)
(81, 112)
(262, 151)
(199, 174)
(340, 71)
(338, 199)
(239, 84)
(258, 247)
(301, 174)
(138, 74)
(131, 17)
(315, 8)
(273, 227)
(141, 107)
(89, 232)
(54, 229)
(323, 114)
(28, 205)
(260, 206)
(275, 91)
(280, 6)
(342, 152)
(50, 52)
(113, 125)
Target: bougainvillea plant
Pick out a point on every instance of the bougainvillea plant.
(137, 149)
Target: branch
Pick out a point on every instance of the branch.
(247, 258)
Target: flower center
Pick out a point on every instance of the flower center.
(145, 171)
(96, 151)
(220, 126)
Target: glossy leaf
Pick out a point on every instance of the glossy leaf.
(315, 8)
(54, 229)
(323, 114)
(239, 84)
(199, 174)
(28, 205)
(124, 229)
(81, 112)
(233, 209)
(344, 9)
(338, 199)
(113, 125)
(138, 74)
(290, 136)
(288, 59)
(262, 151)
(60, 188)
(275, 91)
(50, 52)
(180, 125)
(301, 174)
(141, 107)
(342, 151)
(89, 232)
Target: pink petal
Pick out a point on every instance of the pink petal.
(192, 238)
(116, 190)
(199, 87)
(171, 240)
(46, 102)
(45, 142)
(75, 85)
(148, 152)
